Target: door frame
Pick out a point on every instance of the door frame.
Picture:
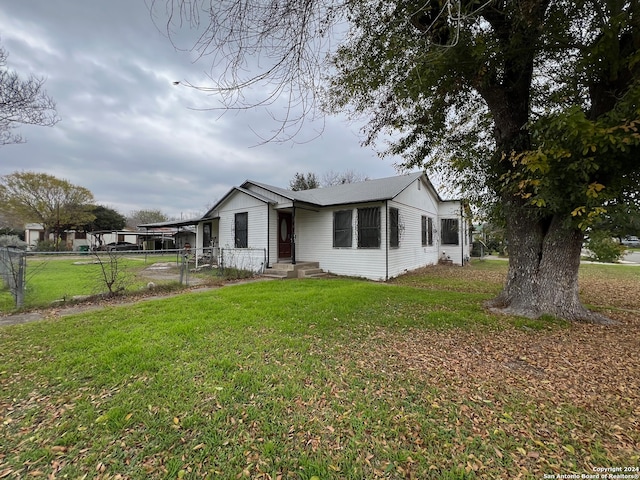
(284, 253)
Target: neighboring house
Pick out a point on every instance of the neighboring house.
(168, 235)
(33, 233)
(376, 229)
(73, 240)
(99, 238)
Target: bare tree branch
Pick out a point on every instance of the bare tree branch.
(22, 102)
(263, 53)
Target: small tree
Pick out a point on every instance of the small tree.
(22, 102)
(301, 181)
(113, 273)
(141, 217)
(332, 178)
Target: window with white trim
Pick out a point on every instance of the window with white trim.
(449, 231)
(342, 228)
(241, 233)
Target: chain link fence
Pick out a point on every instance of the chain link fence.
(34, 279)
(12, 270)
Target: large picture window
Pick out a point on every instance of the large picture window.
(342, 228)
(242, 230)
(369, 227)
(394, 228)
(449, 231)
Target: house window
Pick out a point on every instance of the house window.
(427, 231)
(342, 230)
(394, 228)
(423, 225)
(430, 231)
(81, 236)
(242, 230)
(369, 227)
(449, 231)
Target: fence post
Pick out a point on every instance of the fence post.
(20, 280)
(184, 269)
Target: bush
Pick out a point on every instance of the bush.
(604, 248)
(231, 273)
(51, 246)
(12, 241)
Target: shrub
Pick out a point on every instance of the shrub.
(603, 248)
(231, 273)
(51, 246)
(12, 241)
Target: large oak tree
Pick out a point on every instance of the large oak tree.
(41, 198)
(531, 104)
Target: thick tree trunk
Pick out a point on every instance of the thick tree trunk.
(544, 259)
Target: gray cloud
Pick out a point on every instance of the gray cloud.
(132, 137)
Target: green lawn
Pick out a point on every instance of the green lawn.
(331, 378)
(51, 278)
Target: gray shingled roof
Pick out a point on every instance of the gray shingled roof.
(360, 192)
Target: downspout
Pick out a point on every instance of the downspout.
(293, 234)
(268, 237)
(462, 236)
(386, 242)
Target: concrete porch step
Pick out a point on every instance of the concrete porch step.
(310, 272)
(298, 270)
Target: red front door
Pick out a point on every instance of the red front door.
(285, 231)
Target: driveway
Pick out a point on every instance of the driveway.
(632, 257)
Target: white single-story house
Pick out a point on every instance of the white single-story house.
(375, 229)
(34, 233)
(74, 240)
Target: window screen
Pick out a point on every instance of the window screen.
(449, 231)
(342, 230)
(427, 231)
(369, 227)
(242, 230)
(394, 228)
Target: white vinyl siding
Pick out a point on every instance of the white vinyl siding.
(412, 204)
(314, 242)
(256, 211)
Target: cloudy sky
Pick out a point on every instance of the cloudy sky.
(132, 137)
